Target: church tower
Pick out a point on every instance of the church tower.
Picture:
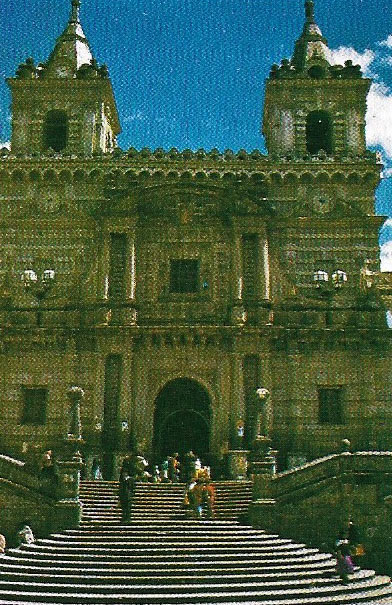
(65, 105)
(311, 105)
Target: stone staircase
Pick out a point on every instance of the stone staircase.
(161, 557)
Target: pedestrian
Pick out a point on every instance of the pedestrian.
(356, 547)
(156, 474)
(96, 473)
(25, 534)
(140, 468)
(174, 468)
(47, 466)
(165, 470)
(344, 563)
(209, 499)
(195, 498)
(189, 466)
(125, 495)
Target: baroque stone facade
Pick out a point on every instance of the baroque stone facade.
(169, 285)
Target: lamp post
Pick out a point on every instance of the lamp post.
(329, 285)
(38, 286)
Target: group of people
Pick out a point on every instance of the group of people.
(348, 550)
(199, 497)
(133, 469)
(173, 469)
(199, 494)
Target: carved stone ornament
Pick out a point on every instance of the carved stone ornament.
(322, 203)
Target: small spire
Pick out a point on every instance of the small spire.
(309, 11)
(75, 11)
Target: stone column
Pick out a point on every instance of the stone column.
(263, 457)
(237, 456)
(265, 290)
(68, 508)
(130, 313)
(237, 407)
(238, 464)
(103, 313)
(238, 315)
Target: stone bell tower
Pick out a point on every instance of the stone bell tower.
(65, 105)
(313, 106)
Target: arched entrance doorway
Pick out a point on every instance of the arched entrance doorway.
(182, 419)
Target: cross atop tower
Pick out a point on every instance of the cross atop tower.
(309, 11)
(75, 11)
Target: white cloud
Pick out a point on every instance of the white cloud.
(386, 256)
(387, 173)
(339, 55)
(379, 117)
(379, 101)
(387, 42)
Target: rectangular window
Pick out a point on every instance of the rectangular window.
(250, 245)
(34, 405)
(330, 405)
(184, 276)
(117, 265)
(251, 380)
(112, 392)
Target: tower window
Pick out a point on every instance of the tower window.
(319, 132)
(250, 245)
(184, 276)
(330, 405)
(34, 405)
(317, 72)
(117, 264)
(55, 130)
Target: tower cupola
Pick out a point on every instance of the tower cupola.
(311, 105)
(65, 105)
(311, 48)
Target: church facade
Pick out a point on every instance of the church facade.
(170, 285)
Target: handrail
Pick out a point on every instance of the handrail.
(332, 466)
(15, 471)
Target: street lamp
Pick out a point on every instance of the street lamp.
(39, 286)
(328, 286)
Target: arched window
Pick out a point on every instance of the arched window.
(317, 72)
(319, 132)
(55, 130)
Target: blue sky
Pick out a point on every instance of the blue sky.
(190, 73)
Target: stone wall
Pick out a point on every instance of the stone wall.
(312, 503)
(24, 497)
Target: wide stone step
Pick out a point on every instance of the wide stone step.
(367, 591)
(171, 583)
(163, 550)
(148, 540)
(163, 558)
(169, 587)
(113, 564)
(153, 529)
(16, 570)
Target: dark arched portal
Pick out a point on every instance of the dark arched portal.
(55, 130)
(182, 419)
(319, 132)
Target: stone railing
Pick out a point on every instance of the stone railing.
(314, 502)
(288, 484)
(15, 472)
(49, 504)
